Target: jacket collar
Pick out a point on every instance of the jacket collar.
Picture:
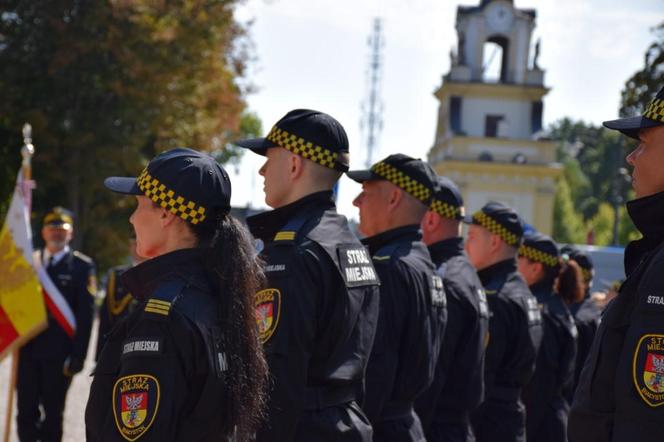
(442, 251)
(501, 268)
(647, 213)
(542, 290)
(408, 233)
(265, 225)
(142, 280)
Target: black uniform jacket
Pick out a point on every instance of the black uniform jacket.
(458, 385)
(118, 303)
(411, 324)
(317, 318)
(620, 396)
(554, 371)
(515, 331)
(586, 315)
(161, 374)
(74, 275)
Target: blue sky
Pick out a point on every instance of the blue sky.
(314, 54)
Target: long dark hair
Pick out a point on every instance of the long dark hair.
(236, 271)
(570, 285)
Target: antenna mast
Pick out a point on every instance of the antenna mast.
(371, 123)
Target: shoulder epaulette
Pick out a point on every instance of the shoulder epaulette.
(289, 232)
(163, 298)
(385, 253)
(158, 306)
(285, 235)
(83, 257)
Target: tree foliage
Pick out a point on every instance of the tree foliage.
(642, 87)
(107, 85)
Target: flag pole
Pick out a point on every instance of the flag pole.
(27, 151)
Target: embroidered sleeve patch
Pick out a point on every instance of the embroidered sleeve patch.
(135, 404)
(356, 266)
(268, 311)
(142, 347)
(648, 369)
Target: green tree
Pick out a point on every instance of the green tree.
(107, 85)
(568, 225)
(642, 87)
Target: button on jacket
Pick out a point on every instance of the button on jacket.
(410, 331)
(620, 396)
(161, 375)
(546, 407)
(515, 334)
(458, 386)
(317, 319)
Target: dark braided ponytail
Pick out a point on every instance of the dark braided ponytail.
(237, 274)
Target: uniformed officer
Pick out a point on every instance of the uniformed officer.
(48, 362)
(396, 193)
(118, 302)
(586, 313)
(551, 282)
(515, 330)
(187, 364)
(621, 390)
(458, 386)
(317, 318)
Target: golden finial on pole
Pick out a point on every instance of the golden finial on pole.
(27, 151)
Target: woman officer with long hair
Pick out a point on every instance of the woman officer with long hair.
(187, 364)
(556, 283)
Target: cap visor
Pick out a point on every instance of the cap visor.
(360, 175)
(125, 185)
(631, 126)
(257, 145)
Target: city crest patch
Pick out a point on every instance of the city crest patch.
(649, 369)
(268, 311)
(135, 404)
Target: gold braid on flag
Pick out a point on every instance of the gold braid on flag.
(494, 227)
(306, 149)
(655, 110)
(538, 256)
(168, 199)
(400, 179)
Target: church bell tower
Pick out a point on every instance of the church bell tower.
(489, 137)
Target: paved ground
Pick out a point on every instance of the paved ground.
(74, 422)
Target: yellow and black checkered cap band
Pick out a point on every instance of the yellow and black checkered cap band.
(446, 209)
(587, 274)
(306, 149)
(655, 110)
(400, 179)
(58, 217)
(168, 199)
(538, 255)
(496, 228)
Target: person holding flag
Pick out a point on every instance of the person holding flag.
(48, 362)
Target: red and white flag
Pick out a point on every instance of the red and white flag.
(55, 301)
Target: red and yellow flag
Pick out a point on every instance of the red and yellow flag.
(22, 309)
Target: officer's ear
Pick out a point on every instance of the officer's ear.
(167, 217)
(295, 166)
(395, 195)
(430, 221)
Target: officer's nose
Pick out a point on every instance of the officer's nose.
(358, 199)
(261, 171)
(632, 156)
